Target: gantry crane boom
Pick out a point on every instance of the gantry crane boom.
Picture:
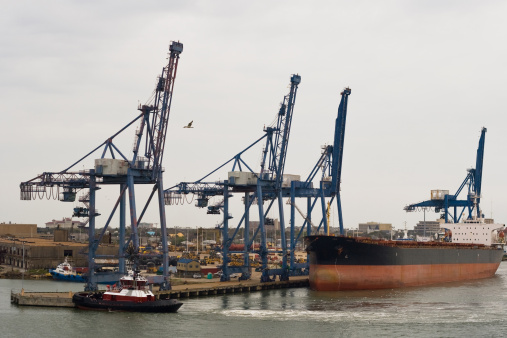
(284, 125)
(478, 170)
(163, 106)
(330, 161)
(339, 140)
(275, 151)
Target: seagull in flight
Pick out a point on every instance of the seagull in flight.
(189, 125)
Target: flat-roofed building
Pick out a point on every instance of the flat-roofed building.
(18, 230)
(428, 228)
(375, 226)
(38, 253)
(65, 223)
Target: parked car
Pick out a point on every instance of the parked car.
(234, 275)
(197, 275)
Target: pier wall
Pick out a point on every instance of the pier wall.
(50, 299)
(64, 299)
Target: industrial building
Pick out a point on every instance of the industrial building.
(21, 230)
(187, 267)
(38, 253)
(428, 228)
(65, 223)
(374, 226)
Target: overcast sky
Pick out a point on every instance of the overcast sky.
(426, 76)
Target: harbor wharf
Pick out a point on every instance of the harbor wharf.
(220, 288)
(64, 299)
(46, 299)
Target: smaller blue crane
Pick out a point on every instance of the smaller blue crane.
(441, 200)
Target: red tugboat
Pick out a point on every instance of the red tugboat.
(132, 294)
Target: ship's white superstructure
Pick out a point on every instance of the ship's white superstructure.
(476, 232)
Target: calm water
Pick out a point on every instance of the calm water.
(467, 309)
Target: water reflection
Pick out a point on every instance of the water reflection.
(466, 309)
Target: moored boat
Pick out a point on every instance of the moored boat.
(132, 294)
(347, 263)
(65, 272)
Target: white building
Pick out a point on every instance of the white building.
(65, 223)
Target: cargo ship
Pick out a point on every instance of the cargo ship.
(473, 250)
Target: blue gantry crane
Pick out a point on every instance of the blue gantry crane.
(143, 166)
(449, 204)
(270, 185)
(330, 165)
(256, 187)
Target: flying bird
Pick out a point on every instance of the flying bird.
(189, 125)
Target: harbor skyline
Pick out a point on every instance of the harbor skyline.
(425, 79)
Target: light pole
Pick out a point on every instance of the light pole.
(424, 229)
(23, 265)
(187, 239)
(175, 238)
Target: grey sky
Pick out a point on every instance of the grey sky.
(426, 76)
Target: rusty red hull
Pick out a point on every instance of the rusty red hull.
(363, 277)
(341, 263)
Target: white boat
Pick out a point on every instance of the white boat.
(65, 272)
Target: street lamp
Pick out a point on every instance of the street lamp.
(23, 265)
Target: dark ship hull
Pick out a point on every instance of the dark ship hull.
(94, 301)
(343, 263)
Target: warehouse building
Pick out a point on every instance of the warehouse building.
(38, 253)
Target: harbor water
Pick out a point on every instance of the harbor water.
(465, 309)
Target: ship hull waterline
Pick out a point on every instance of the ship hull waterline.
(341, 263)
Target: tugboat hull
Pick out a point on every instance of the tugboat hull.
(94, 301)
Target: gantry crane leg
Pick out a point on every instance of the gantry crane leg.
(163, 234)
(285, 273)
(121, 232)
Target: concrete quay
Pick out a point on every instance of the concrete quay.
(64, 299)
(47, 299)
(221, 288)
